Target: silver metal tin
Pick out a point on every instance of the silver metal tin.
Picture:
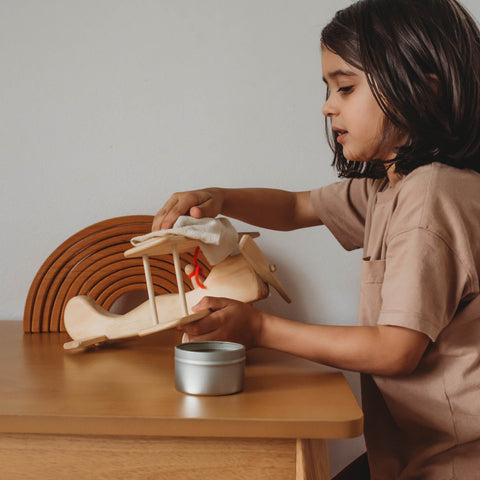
(209, 368)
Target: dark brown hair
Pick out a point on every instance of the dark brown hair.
(422, 62)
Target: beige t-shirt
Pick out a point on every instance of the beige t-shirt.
(421, 241)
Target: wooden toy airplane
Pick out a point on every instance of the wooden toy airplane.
(243, 277)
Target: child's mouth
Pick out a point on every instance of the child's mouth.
(340, 135)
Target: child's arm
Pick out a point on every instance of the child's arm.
(263, 207)
(379, 350)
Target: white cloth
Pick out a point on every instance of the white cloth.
(217, 236)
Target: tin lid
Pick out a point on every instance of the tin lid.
(211, 351)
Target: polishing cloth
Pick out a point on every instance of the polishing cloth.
(217, 236)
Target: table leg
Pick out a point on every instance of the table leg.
(312, 460)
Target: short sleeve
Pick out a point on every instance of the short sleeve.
(423, 284)
(342, 207)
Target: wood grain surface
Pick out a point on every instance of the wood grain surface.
(114, 413)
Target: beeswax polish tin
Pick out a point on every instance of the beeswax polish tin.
(209, 368)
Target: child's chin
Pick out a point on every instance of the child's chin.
(353, 158)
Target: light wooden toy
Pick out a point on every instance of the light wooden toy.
(243, 277)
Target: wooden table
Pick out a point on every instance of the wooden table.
(114, 413)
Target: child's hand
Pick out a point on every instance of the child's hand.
(230, 321)
(197, 203)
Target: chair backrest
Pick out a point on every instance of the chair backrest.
(91, 262)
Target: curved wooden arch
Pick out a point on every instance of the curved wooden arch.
(91, 262)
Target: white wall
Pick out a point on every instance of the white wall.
(108, 106)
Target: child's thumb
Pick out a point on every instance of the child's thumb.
(205, 209)
(196, 212)
(210, 303)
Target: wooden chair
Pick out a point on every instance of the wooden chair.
(92, 262)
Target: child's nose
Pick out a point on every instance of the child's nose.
(328, 108)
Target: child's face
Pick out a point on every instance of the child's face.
(357, 119)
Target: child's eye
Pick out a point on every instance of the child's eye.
(345, 89)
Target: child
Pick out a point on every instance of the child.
(403, 108)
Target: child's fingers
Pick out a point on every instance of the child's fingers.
(204, 326)
(211, 322)
(211, 303)
(165, 217)
(178, 204)
(198, 203)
